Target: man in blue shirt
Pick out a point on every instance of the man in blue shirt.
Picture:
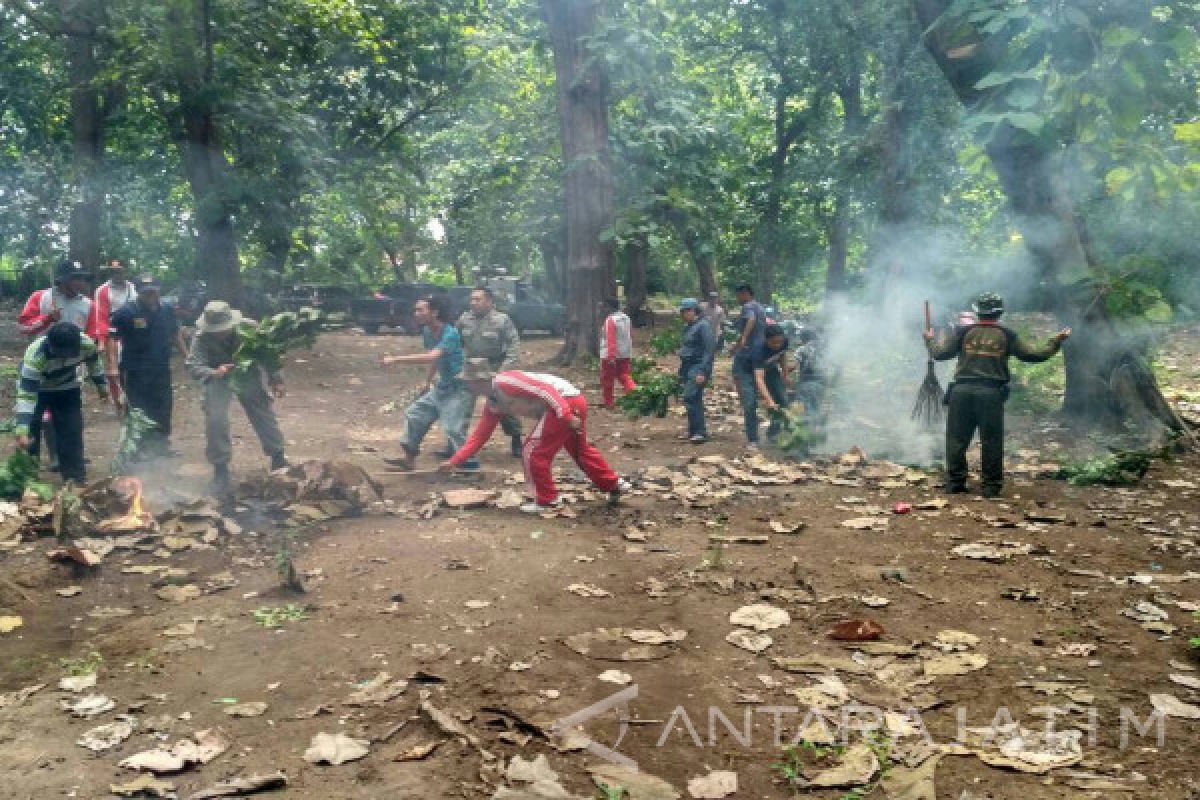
(445, 398)
(696, 354)
(770, 365)
(147, 331)
(750, 324)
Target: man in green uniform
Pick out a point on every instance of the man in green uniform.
(976, 397)
(491, 334)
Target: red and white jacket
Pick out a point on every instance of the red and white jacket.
(616, 337)
(35, 319)
(108, 299)
(552, 390)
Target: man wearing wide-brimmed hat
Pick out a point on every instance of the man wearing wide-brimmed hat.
(210, 362)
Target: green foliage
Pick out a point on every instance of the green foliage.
(1194, 642)
(606, 792)
(795, 435)
(666, 343)
(134, 427)
(1036, 387)
(18, 473)
(642, 367)
(264, 344)
(1119, 468)
(652, 396)
(276, 617)
(88, 664)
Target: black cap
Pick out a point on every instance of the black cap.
(68, 269)
(62, 340)
(146, 283)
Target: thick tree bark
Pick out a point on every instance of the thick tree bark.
(200, 144)
(1108, 378)
(838, 223)
(81, 20)
(582, 88)
(637, 252)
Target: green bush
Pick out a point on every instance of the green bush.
(666, 342)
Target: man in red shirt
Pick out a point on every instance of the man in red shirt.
(561, 411)
(113, 294)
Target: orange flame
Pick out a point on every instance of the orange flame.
(136, 518)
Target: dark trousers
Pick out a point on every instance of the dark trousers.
(149, 389)
(66, 418)
(693, 399)
(975, 406)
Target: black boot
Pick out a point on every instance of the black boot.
(279, 461)
(516, 446)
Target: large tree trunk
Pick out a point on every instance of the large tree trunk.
(766, 265)
(204, 160)
(582, 89)
(637, 252)
(701, 251)
(1108, 378)
(80, 21)
(838, 223)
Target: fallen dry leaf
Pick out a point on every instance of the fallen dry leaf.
(856, 630)
(747, 640)
(256, 709)
(419, 751)
(760, 617)
(143, 786)
(335, 749)
(10, 624)
(239, 787)
(714, 785)
(1172, 706)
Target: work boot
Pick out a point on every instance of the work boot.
(623, 486)
(991, 492)
(516, 447)
(222, 482)
(406, 461)
(279, 461)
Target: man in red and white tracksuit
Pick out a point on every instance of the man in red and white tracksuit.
(561, 411)
(616, 351)
(114, 294)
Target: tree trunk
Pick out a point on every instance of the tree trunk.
(767, 252)
(582, 89)
(637, 251)
(838, 225)
(1108, 378)
(204, 161)
(701, 251)
(80, 20)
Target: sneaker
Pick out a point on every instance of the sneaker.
(540, 508)
(623, 487)
(698, 438)
(470, 465)
(279, 461)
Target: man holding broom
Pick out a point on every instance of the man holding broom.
(976, 397)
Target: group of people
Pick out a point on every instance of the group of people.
(476, 356)
(124, 337)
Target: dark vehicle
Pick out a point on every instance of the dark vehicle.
(392, 306)
(189, 298)
(327, 298)
(530, 311)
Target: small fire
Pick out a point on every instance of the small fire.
(136, 518)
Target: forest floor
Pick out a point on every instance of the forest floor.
(473, 609)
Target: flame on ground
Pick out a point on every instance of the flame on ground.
(136, 518)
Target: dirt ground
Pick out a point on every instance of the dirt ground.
(472, 608)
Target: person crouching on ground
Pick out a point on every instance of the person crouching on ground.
(446, 401)
(770, 365)
(616, 352)
(696, 354)
(561, 413)
(210, 361)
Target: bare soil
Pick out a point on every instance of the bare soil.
(388, 592)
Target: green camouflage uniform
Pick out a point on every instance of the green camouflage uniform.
(494, 337)
(977, 396)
